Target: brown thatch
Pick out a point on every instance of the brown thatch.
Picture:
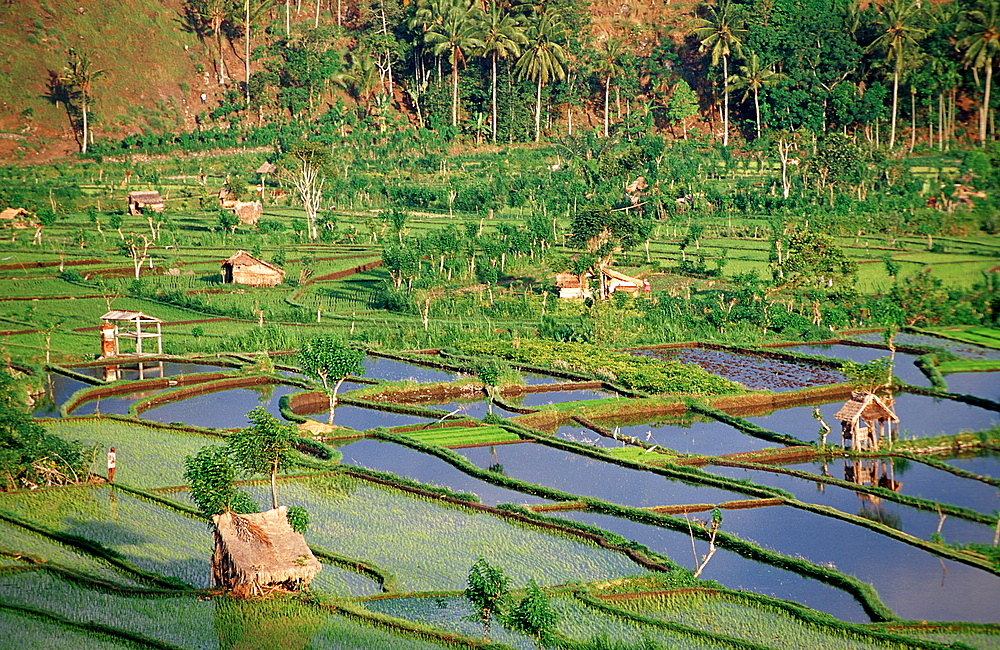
(612, 281)
(244, 268)
(248, 212)
(138, 202)
(259, 553)
(266, 168)
(865, 418)
(18, 218)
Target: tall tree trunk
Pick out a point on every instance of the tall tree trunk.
(538, 110)
(725, 101)
(288, 20)
(607, 92)
(493, 99)
(756, 106)
(246, 52)
(895, 101)
(86, 130)
(454, 88)
(985, 110)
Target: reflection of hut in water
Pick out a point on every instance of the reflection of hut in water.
(874, 472)
(258, 553)
(865, 419)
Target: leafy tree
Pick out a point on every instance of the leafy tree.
(543, 59)
(136, 247)
(303, 166)
(602, 232)
(869, 377)
(211, 475)
(981, 45)
(455, 33)
(264, 448)
(682, 104)
(721, 32)
(898, 20)
(608, 67)
(752, 77)
(228, 220)
(533, 615)
(330, 361)
(502, 37)
(815, 260)
(488, 590)
(211, 17)
(78, 75)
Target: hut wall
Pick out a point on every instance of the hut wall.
(256, 275)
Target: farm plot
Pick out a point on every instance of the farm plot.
(429, 546)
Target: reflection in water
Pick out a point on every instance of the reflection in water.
(877, 472)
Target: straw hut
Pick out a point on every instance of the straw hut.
(612, 281)
(248, 212)
(258, 553)
(244, 268)
(571, 285)
(865, 419)
(18, 218)
(139, 202)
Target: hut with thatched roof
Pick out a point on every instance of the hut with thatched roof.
(139, 202)
(571, 285)
(258, 553)
(244, 268)
(18, 218)
(865, 419)
(612, 281)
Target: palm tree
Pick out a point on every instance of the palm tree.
(720, 31)
(608, 67)
(543, 59)
(751, 78)
(981, 43)
(213, 13)
(502, 37)
(897, 19)
(453, 35)
(78, 75)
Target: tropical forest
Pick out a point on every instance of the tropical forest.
(499, 324)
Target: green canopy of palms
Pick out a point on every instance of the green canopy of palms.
(455, 34)
(608, 67)
(980, 43)
(721, 33)
(502, 36)
(543, 59)
(751, 78)
(899, 38)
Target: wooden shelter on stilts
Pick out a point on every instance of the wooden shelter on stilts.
(256, 554)
(866, 419)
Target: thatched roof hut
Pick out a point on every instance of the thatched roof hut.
(139, 202)
(259, 553)
(612, 281)
(267, 168)
(248, 212)
(865, 418)
(571, 285)
(18, 218)
(244, 268)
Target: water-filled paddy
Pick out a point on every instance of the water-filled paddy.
(919, 523)
(964, 350)
(562, 470)
(711, 438)
(392, 370)
(754, 372)
(730, 569)
(532, 400)
(362, 419)
(980, 384)
(920, 416)
(58, 389)
(224, 409)
(406, 462)
(902, 368)
(149, 370)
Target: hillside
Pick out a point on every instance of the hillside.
(156, 68)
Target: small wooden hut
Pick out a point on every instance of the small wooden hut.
(258, 553)
(18, 218)
(133, 321)
(865, 419)
(612, 281)
(244, 268)
(571, 285)
(139, 202)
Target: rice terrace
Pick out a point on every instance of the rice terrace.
(453, 324)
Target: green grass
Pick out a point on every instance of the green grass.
(453, 436)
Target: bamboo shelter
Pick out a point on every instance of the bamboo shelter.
(259, 553)
(866, 419)
(114, 329)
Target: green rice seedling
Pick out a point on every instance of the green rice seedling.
(145, 534)
(447, 612)
(455, 436)
(23, 630)
(429, 546)
(148, 456)
(347, 632)
(336, 581)
(156, 618)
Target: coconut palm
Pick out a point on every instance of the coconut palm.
(78, 76)
(454, 35)
(721, 32)
(608, 67)
(898, 21)
(502, 37)
(751, 78)
(543, 59)
(213, 13)
(981, 45)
